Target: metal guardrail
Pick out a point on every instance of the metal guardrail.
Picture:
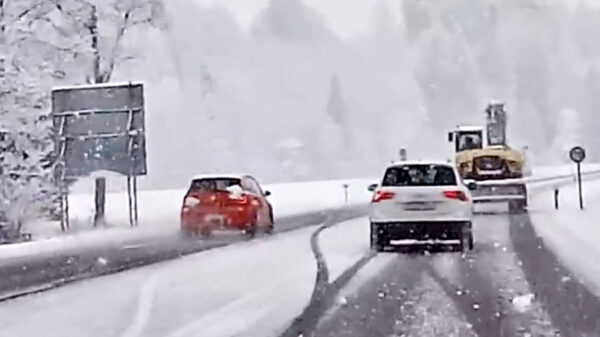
(563, 179)
(504, 190)
(536, 180)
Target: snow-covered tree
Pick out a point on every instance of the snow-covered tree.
(28, 67)
(101, 28)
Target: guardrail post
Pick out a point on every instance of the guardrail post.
(556, 192)
(346, 192)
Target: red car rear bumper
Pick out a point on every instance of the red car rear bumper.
(230, 218)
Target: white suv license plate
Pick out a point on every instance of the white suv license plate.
(419, 206)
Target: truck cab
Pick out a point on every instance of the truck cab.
(466, 138)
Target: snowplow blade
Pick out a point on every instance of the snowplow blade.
(499, 191)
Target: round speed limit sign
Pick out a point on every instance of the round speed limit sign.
(577, 154)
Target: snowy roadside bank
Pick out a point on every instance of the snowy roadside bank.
(159, 215)
(159, 209)
(572, 234)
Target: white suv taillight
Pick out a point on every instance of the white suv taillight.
(190, 202)
(382, 195)
(456, 195)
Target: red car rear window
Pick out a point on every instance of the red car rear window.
(213, 184)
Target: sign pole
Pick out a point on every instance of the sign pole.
(577, 155)
(63, 224)
(67, 223)
(580, 185)
(135, 201)
(130, 201)
(100, 201)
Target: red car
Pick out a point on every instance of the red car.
(226, 202)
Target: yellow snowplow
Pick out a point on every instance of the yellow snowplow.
(492, 169)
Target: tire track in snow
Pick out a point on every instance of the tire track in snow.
(479, 284)
(572, 308)
(144, 308)
(379, 307)
(489, 278)
(324, 292)
(475, 298)
(235, 313)
(428, 312)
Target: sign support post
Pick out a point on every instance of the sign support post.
(66, 204)
(577, 155)
(130, 201)
(135, 201)
(579, 183)
(100, 201)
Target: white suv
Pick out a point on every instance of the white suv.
(421, 203)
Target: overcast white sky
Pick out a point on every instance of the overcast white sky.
(346, 17)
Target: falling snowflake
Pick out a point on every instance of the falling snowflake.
(523, 303)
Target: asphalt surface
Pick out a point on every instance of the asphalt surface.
(510, 285)
(21, 277)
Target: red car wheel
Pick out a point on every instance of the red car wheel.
(271, 225)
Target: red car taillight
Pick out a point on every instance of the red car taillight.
(382, 195)
(238, 199)
(190, 202)
(456, 195)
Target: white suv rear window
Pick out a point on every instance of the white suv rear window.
(420, 175)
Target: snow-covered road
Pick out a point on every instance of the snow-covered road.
(253, 288)
(512, 284)
(23, 275)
